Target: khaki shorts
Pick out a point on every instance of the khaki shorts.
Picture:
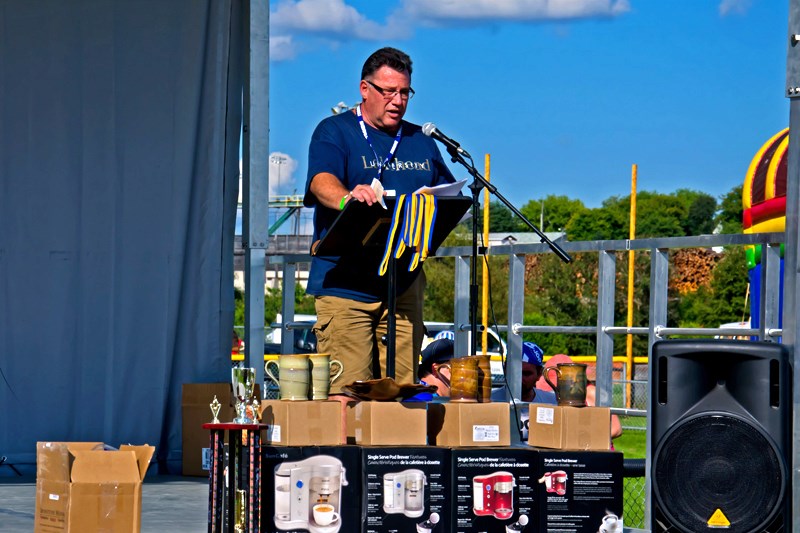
(351, 332)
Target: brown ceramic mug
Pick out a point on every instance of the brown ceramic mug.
(570, 387)
(484, 377)
(463, 379)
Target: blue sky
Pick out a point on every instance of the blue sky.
(564, 94)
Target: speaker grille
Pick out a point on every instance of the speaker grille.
(718, 461)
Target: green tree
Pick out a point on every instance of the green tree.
(502, 219)
(557, 210)
(723, 300)
(700, 214)
(729, 218)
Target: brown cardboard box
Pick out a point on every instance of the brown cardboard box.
(387, 423)
(469, 424)
(195, 412)
(82, 487)
(302, 423)
(570, 428)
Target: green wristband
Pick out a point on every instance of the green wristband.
(344, 201)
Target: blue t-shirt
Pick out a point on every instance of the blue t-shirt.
(338, 147)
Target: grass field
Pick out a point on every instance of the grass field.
(632, 444)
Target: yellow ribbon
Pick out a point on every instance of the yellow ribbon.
(419, 218)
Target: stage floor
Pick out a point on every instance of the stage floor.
(169, 503)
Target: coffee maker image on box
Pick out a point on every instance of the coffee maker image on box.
(404, 492)
(493, 495)
(308, 494)
(555, 482)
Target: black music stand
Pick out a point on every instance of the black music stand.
(361, 228)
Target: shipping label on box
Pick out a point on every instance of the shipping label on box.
(580, 492)
(494, 489)
(406, 489)
(569, 428)
(469, 424)
(311, 488)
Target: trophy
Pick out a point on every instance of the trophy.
(243, 381)
(215, 407)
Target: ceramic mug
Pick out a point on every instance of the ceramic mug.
(484, 377)
(570, 387)
(294, 372)
(463, 379)
(323, 374)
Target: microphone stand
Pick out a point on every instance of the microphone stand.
(477, 184)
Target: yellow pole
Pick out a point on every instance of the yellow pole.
(485, 290)
(629, 337)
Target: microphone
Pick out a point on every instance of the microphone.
(429, 129)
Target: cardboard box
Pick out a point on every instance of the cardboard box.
(493, 488)
(469, 424)
(387, 423)
(580, 491)
(82, 487)
(302, 423)
(570, 428)
(195, 412)
(296, 478)
(404, 487)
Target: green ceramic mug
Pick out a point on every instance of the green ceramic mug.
(293, 375)
(323, 374)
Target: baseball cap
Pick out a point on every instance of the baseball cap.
(531, 353)
(438, 351)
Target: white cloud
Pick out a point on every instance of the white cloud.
(281, 174)
(334, 21)
(730, 7)
(281, 48)
(331, 18)
(513, 10)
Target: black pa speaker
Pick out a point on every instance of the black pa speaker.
(721, 436)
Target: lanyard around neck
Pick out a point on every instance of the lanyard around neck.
(392, 150)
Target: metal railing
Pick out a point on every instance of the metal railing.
(604, 329)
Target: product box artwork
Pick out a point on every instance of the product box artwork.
(494, 490)
(311, 489)
(406, 489)
(580, 492)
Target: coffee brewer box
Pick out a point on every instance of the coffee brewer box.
(493, 488)
(387, 423)
(82, 487)
(569, 428)
(196, 411)
(302, 423)
(469, 424)
(404, 486)
(294, 477)
(580, 491)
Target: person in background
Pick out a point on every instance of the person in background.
(532, 361)
(433, 369)
(591, 390)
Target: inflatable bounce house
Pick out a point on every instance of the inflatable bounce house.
(764, 203)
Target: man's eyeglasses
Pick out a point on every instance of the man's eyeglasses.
(405, 94)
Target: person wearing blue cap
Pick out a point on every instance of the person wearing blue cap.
(433, 368)
(532, 368)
